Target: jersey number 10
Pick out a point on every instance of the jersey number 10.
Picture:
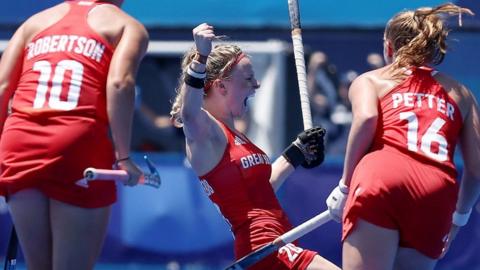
(430, 136)
(54, 102)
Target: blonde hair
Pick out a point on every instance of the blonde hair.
(220, 61)
(419, 37)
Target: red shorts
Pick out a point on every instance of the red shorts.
(51, 156)
(394, 191)
(261, 232)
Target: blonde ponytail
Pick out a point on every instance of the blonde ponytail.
(419, 37)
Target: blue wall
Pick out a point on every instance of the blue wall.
(245, 13)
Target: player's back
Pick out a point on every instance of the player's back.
(420, 118)
(68, 49)
(107, 20)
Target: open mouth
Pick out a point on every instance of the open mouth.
(247, 102)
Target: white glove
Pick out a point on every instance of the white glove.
(461, 219)
(336, 201)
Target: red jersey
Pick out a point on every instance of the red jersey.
(65, 69)
(419, 118)
(407, 180)
(59, 123)
(239, 186)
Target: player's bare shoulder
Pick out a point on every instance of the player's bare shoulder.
(450, 84)
(113, 23)
(459, 92)
(43, 19)
(369, 81)
(122, 17)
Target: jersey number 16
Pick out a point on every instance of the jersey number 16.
(430, 136)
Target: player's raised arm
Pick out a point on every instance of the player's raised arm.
(197, 125)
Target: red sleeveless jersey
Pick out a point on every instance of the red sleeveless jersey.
(419, 118)
(59, 125)
(239, 184)
(65, 69)
(407, 180)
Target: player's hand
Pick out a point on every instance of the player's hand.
(459, 219)
(203, 35)
(336, 201)
(308, 149)
(451, 236)
(132, 169)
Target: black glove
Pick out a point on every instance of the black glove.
(308, 149)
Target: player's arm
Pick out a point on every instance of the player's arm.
(364, 100)
(121, 84)
(470, 148)
(198, 126)
(281, 169)
(470, 183)
(307, 150)
(10, 71)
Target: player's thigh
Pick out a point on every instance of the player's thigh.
(78, 234)
(369, 247)
(29, 209)
(409, 258)
(320, 263)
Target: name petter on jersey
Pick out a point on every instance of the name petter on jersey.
(418, 100)
(67, 43)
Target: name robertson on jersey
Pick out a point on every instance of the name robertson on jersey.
(254, 159)
(67, 43)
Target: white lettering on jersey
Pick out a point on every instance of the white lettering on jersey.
(417, 99)
(239, 141)
(67, 43)
(291, 251)
(253, 160)
(206, 187)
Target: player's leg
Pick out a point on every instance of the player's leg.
(320, 263)
(77, 234)
(409, 258)
(29, 209)
(370, 247)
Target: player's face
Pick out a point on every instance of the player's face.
(241, 87)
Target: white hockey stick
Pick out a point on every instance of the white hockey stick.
(298, 51)
(288, 237)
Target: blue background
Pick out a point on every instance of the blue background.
(246, 13)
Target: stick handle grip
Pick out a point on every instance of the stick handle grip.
(148, 179)
(104, 174)
(299, 55)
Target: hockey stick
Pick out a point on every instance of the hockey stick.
(149, 179)
(323, 217)
(294, 13)
(11, 258)
(288, 237)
